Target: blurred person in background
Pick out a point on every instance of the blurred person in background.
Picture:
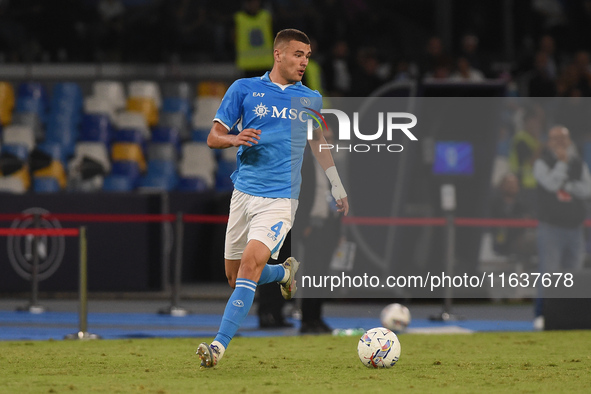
(525, 149)
(507, 204)
(465, 72)
(254, 39)
(564, 183)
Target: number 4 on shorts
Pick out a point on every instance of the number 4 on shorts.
(276, 228)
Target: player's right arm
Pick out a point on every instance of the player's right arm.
(219, 137)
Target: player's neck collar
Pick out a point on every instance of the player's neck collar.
(267, 78)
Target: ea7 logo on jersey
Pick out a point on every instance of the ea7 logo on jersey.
(257, 94)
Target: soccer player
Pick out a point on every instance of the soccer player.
(267, 180)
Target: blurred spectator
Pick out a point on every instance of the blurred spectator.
(435, 61)
(254, 39)
(541, 84)
(366, 78)
(507, 204)
(573, 112)
(338, 70)
(471, 52)
(526, 146)
(465, 72)
(195, 33)
(548, 46)
(565, 183)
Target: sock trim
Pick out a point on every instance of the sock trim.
(246, 283)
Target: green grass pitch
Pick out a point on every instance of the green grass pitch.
(484, 362)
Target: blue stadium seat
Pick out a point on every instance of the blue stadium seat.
(32, 97)
(45, 184)
(118, 183)
(53, 149)
(159, 182)
(199, 135)
(96, 127)
(192, 185)
(161, 174)
(177, 104)
(135, 136)
(128, 168)
(166, 134)
(18, 150)
(64, 134)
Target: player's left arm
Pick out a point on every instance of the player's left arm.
(324, 158)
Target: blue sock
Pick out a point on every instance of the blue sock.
(236, 310)
(271, 273)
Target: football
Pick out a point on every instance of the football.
(378, 348)
(395, 317)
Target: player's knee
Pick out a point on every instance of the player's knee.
(232, 281)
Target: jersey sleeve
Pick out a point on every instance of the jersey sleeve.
(230, 111)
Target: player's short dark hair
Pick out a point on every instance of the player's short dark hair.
(287, 35)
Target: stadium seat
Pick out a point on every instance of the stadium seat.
(117, 183)
(32, 120)
(99, 105)
(96, 127)
(199, 135)
(32, 97)
(194, 184)
(177, 104)
(127, 168)
(146, 89)
(96, 151)
(17, 150)
(45, 184)
(62, 131)
(180, 90)
(67, 104)
(112, 92)
(12, 184)
(54, 170)
(175, 120)
(205, 110)
(53, 149)
(162, 151)
(161, 175)
(169, 135)
(133, 136)
(17, 182)
(197, 161)
(145, 106)
(211, 89)
(128, 151)
(133, 120)
(7, 102)
(19, 134)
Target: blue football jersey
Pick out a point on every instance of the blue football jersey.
(271, 168)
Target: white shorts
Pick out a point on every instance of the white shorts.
(267, 220)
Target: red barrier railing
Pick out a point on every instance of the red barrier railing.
(222, 219)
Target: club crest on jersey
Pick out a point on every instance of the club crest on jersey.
(261, 110)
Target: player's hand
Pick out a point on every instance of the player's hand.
(343, 205)
(247, 137)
